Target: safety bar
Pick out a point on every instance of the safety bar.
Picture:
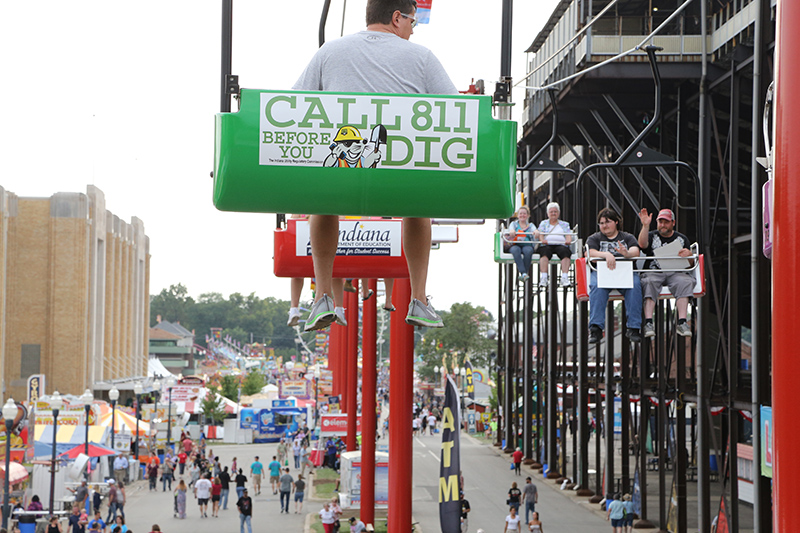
(695, 248)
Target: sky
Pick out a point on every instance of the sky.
(122, 95)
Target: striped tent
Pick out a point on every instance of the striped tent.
(67, 438)
(124, 423)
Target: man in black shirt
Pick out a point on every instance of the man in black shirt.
(464, 512)
(681, 284)
(609, 244)
(225, 481)
(245, 505)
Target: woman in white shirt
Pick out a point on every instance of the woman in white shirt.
(512, 521)
(520, 234)
(555, 237)
(328, 518)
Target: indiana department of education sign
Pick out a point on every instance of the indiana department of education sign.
(358, 237)
(364, 131)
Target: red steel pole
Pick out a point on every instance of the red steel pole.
(785, 266)
(333, 357)
(369, 385)
(401, 396)
(350, 393)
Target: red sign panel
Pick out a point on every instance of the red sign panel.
(363, 252)
(336, 425)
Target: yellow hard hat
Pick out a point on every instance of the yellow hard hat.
(347, 133)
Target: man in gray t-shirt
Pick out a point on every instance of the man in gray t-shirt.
(380, 59)
(531, 496)
(286, 481)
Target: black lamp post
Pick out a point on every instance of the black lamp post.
(137, 390)
(56, 403)
(154, 420)
(87, 400)
(9, 414)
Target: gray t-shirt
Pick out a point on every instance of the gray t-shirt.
(375, 62)
(529, 491)
(286, 483)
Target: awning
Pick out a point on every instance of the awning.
(289, 411)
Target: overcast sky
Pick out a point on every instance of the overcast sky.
(122, 95)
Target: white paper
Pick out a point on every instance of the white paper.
(619, 278)
(671, 250)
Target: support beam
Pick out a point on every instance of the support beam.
(369, 423)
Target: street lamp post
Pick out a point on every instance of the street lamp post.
(137, 390)
(436, 375)
(87, 399)
(153, 440)
(170, 384)
(56, 403)
(113, 395)
(9, 414)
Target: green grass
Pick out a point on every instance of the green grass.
(316, 525)
(325, 490)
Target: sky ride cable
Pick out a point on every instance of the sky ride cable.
(618, 56)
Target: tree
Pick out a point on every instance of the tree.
(229, 387)
(171, 304)
(214, 407)
(467, 333)
(253, 383)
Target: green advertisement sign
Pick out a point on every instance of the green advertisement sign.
(364, 154)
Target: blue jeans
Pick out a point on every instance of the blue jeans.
(239, 493)
(522, 256)
(112, 512)
(296, 462)
(223, 498)
(166, 479)
(245, 519)
(598, 298)
(529, 508)
(285, 495)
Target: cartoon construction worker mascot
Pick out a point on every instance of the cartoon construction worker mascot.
(349, 148)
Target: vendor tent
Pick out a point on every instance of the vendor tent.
(67, 438)
(124, 423)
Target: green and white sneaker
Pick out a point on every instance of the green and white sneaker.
(321, 315)
(339, 312)
(423, 315)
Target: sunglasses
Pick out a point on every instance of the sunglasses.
(413, 19)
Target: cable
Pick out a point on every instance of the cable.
(618, 56)
(546, 61)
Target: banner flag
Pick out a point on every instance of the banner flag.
(450, 466)
(470, 382)
(424, 11)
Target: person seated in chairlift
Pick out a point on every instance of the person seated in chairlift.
(555, 237)
(681, 284)
(520, 238)
(609, 244)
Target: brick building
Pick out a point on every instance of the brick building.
(74, 286)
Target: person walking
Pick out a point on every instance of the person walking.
(516, 457)
(245, 506)
(514, 495)
(629, 514)
(225, 480)
(216, 491)
(512, 520)
(152, 473)
(299, 493)
(120, 468)
(328, 517)
(194, 474)
(241, 481)
(274, 473)
(202, 491)
(296, 447)
(167, 474)
(256, 469)
(286, 481)
(535, 524)
(122, 496)
(180, 499)
(305, 460)
(615, 512)
(531, 497)
(112, 501)
(283, 450)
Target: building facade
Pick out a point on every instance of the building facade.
(74, 285)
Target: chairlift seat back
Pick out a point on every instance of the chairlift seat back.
(314, 153)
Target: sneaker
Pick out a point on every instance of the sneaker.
(321, 315)
(684, 330)
(294, 317)
(595, 334)
(649, 330)
(523, 277)
(633, 334)
(543, 280)
(339, 312)
(423, 315)
(565, 280)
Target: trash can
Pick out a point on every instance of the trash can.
(27, 524)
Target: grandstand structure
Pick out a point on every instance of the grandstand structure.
(696, 402)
